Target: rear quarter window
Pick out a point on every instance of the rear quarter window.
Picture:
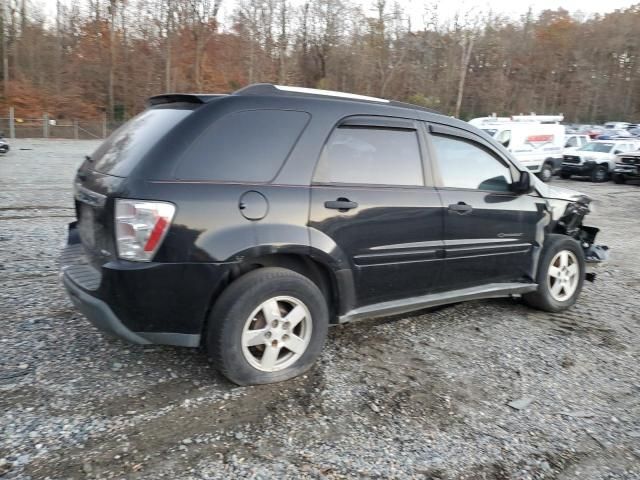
(246, 146)
(125, 147)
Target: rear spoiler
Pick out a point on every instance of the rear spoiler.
(197, 98)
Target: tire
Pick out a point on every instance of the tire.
(546, 173)
(617, 178)
(246, 306)
(599, 174)
(552, 253)
(565, 175)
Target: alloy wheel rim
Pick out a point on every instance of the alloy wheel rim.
(276, 334)
(563, 275)
(546, 174)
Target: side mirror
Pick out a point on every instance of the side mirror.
(523, 185)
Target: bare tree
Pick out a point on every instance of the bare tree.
(465, 29)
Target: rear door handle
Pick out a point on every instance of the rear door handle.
(341, 204)
(460, 208)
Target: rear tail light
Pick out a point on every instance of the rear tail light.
(141, 227)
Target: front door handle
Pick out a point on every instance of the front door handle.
(341, 204)
(460, 208)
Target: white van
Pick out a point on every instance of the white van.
(537, 146)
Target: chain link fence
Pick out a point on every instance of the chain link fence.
(14, 126)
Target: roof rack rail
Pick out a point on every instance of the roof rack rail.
(270, 89)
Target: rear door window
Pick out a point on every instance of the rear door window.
(247, 146)
(126, 146)
(371, 156)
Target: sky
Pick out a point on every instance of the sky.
(415, 8)
(510, 8)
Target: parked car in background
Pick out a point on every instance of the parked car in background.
(537, 146)
(627, 167)
(635, 131)
(592, 131)
(617, 125)
(4, 146)
(574, 141)
(612, 134)
(247, 223)
(597, 159)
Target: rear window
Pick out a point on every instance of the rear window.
(122, 151)
(247, 146)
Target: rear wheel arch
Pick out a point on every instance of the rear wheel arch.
(320, 274)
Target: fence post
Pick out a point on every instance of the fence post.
(12, 123)
(45, 125)
(104, 126)
(75, 129)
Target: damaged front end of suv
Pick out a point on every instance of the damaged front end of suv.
(568, 209)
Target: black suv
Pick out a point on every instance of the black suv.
(250, 222)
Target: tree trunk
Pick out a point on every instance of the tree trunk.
(5, 52)
(112, 59)
(167, 58)
(467, 48)
(198, 61)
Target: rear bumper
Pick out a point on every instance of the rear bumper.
(99, 313)
(143, 303)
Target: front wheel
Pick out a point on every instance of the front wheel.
(545, 173)
(617, 178)
(267, 326)
(599, 174)
(560, 276)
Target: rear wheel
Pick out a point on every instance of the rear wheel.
(565, 175)
(617, 178)
(267, 326)
(599, 173)
(560, 276)
(545, 173)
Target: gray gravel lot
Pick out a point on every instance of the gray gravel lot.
(422, 396)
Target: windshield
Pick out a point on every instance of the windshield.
(122, 151)
(597, 147)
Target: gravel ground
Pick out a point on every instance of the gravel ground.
(422, 396)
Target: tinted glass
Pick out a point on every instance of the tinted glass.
(248, 146)
(375, 156)
(572, 142)
(122, 151)
(462, 164)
